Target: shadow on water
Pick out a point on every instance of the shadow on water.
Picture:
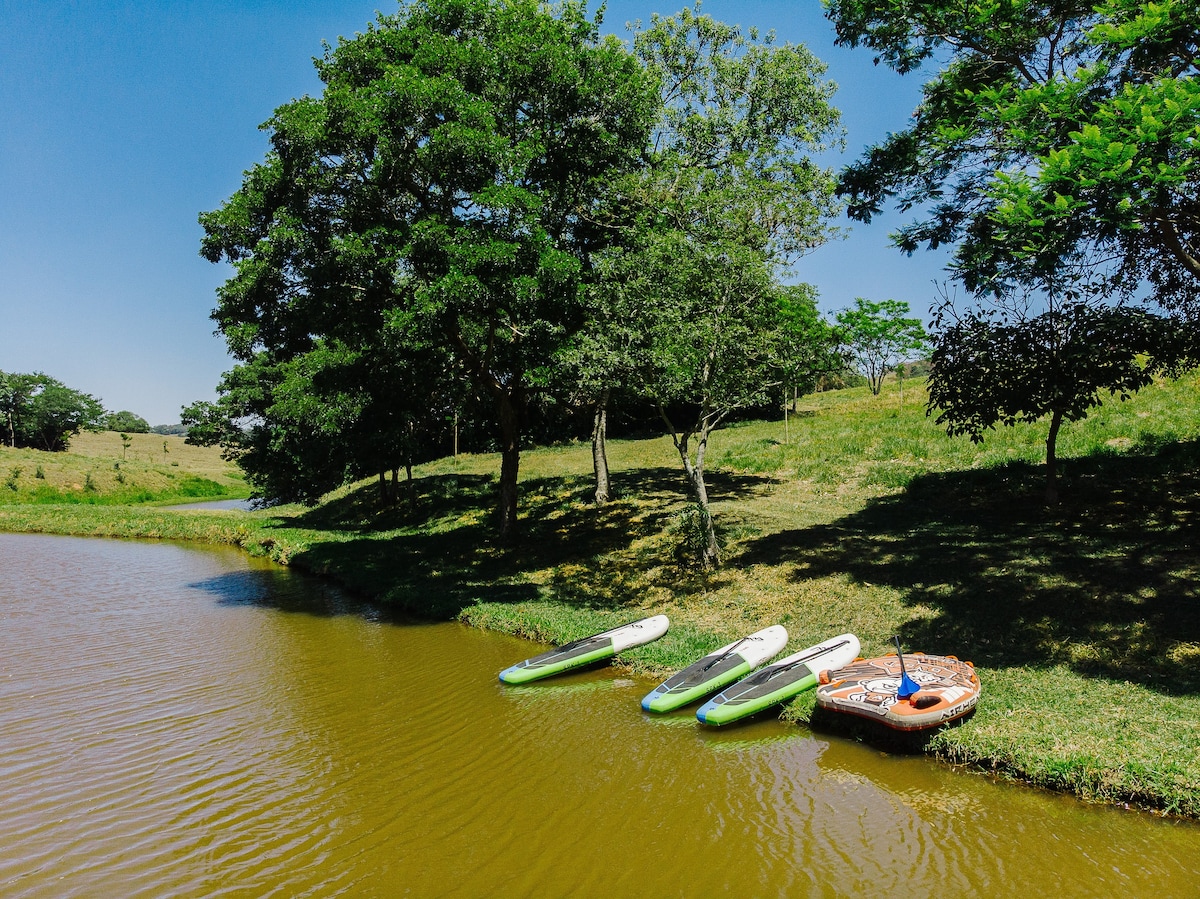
(1105, 582)
(281, 590)
(443, 555)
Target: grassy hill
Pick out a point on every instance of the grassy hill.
(102, 469)
(858, 514)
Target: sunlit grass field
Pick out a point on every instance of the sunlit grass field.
(100, 468)
(857, 514)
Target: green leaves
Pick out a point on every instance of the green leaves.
(738, 121)
(1056, 133)
(877, 335)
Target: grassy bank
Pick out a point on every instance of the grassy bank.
(860, 515)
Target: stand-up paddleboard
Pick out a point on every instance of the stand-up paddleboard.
(785, 679)
(587, 650)
(944, 689)
(718, 668)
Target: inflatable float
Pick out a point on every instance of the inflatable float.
(906, 692)
(718, 668)
(586, 650)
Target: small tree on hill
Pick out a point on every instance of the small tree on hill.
(878, 336)
(126, 421)
(1004, 365)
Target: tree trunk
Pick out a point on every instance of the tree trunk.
(510, 463)
(710, 550)
(412, 487)
(599, 455)
(1052, 459)
(383, 488)
(394, 495)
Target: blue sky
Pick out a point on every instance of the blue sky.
(122, 121)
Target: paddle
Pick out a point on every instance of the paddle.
(726, 654)
(908, 687)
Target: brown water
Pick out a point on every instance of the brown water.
(185, 722)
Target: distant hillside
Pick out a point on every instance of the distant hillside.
(101, 468)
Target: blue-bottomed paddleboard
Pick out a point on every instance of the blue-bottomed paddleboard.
(718, 668)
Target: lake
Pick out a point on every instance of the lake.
(188, 721)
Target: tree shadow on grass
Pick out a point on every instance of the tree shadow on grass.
(362, 511)
(1105, 582)
(445, 556)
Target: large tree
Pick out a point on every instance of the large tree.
(730, 197)
(447, 184)
(1053, 135)
(44, 413)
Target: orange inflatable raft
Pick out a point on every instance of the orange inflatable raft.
(946, 689)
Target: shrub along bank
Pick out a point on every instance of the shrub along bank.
(858, 514)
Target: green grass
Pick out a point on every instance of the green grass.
(861, 515)
(99, 470)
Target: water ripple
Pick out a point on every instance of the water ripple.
(178, 723)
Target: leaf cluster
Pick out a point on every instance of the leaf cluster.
(1055, 133)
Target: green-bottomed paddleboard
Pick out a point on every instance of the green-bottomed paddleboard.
(785, 679)
(718, 668)
(587, 650)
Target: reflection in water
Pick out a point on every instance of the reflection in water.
(182, 722)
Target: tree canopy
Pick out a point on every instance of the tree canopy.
(43, 413)
(730, 197)
(878, 334)
(1055, 134)
(445, 188)
(126, 421)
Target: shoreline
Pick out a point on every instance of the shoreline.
(552, 622)
(1082, 619)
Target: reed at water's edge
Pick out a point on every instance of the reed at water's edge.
(1083, 619)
